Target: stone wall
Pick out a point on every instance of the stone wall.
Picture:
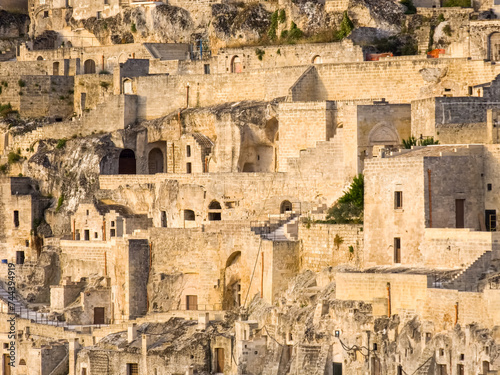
(330, 245)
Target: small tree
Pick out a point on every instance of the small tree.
(346, 27)
(349, 208)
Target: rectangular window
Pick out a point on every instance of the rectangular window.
(112, 223)
(206, 68)
(113, 233)
(337, 368)
(442, 370)
(164, 219)
(188, 151)
(460, 370)
(490, 187)
(16, 219)
(400, 370)
(490, 219)
(19, 257)
(99, 15)
(397, 250)
(87, 235)
(132, 369)
(96, 235)
(188, 167)
(398, 199)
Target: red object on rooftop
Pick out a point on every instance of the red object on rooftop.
(434, 54)
(377, 56)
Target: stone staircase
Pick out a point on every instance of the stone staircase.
(164, 51)
(281, 228)
(467, 279)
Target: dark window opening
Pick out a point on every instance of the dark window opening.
(87, 212)
(164, 219)
(441, 352)
(398, 199)
(126, 164)
(337, 368)
(188, 151)
(27, 243)
(490, 186)
(87, 235)
(400, 370)
(462, 357)
(460, 370)
(214, 216)
(189, 215)
(16, 219)
(286, 206)
(112, 223)
(46, 14)
(188, 167)
(214, 205)
(206, 68)
(113, 233)
(397, 250)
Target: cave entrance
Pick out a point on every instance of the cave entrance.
(126, 164)
(286, 206)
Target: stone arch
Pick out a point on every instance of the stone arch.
(89, 67)
(236, 66)
(127, 164)
(214, 205)
(233, 258)
(123, 57)
(384, 134)
(22, 362)
(155, 161)
(286, 206)
(317, 59)
(39, 58)
(232, 281)
(55, 68)
(494, 46)
(189, 215)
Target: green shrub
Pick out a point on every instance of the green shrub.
(4, 168)
(61, 143)
(447, 30)
(260, 53)
(429, 141)
(457, 3)
(410, 8)
(411, 141)
(346, 27)
(5, 84)
(60, 202)
(294, 33)
(282, 16)
(271, 33)
(349, 208)
(104, 72)
(21, 83)
(133, 28)
(14, 157)
(104, 84)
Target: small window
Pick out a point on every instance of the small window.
(462, 357)
(22, 362)
(132, 369)
(191, 302)
(397, 250)
(99, 15)
(441, 352)
(46, 14)
(27, 243)
(16, 219)
(5, 345)
(188, 151)
(487, 349)
(84, 371)
(447, 90)
(428, 337)
(398, 199)
(206, 68)
(400, 370)
(189, 215)
(164, 219)
(374, 346)
(188, 167)
(106, 2)
(469, 90)
(112, 223)
(96, 235)
(113, 233)
(87, 212)
(87, 235)
(490, 186)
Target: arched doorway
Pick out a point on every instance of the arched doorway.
(127, 87)
(214, 211)
(236, 66)
(155, 161)
(286, 206)
(382, 136)
(39, 58)
(494, 47)
(127, 163)
(55, 68)
(89, 67)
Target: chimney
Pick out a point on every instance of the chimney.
(132, 332)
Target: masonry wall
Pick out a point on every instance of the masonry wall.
(330, 245)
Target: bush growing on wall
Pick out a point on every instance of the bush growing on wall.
(349, 207)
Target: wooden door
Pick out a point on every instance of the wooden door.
(98, 315)
(460, 213)
(191, 302)
(219, 354)
(6, 366)
(337, 368)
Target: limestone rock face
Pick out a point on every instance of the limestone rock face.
(433, 75)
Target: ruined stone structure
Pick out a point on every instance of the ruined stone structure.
(173, 177)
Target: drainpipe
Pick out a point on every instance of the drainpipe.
(389, 300)
(456, 313)
(430, 198)
(187, 95)
(74, 229)
(104, 230)
(262, 278)
(105, 264)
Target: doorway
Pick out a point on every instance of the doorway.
(219, 360)
(490, 218)
(191, 302)
(459, 213)
(98, 315)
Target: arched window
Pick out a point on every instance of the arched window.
(236, 66)
(286, 206)
(189, 215)
(22, 362)
(126, 164)
(317, 59)
(89, 67)
(127, 87)
(214, 205)
(39, 58)
(155, 161)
